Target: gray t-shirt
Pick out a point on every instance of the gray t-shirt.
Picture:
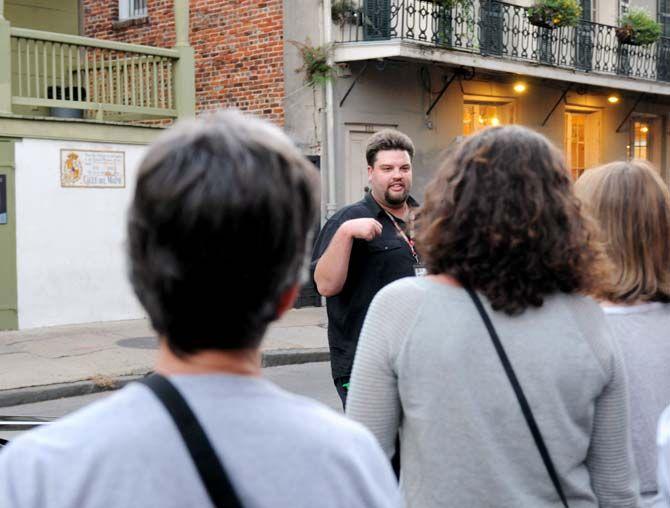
(280, 450)
(425, 364)
(643, 333)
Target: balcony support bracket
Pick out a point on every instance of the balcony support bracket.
(561, 99)
(444, 89)
(353, 83)
(632, 110)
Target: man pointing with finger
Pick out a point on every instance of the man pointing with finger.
(365, 246)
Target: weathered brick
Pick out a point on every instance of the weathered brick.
(238, 44)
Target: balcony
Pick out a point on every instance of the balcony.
(499, 36)
(70, 76)
(48, 71)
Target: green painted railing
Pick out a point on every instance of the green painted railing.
(66, 71)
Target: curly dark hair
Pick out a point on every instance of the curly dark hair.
(500, 217)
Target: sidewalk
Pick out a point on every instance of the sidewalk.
(65, 361)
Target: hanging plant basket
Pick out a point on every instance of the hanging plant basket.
(345, 12)
(450, 4)
(626, 35)
(538, 20)
(638, 28)
(553, 14)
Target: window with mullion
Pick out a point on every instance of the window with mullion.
(132, 9)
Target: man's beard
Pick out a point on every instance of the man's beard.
(397, 199)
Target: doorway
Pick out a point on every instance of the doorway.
(645, 142)
(582, 140)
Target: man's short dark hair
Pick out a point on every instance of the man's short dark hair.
(387, 139)
(218, 230)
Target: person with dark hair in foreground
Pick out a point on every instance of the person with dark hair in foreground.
(508, 251)
(218, 235)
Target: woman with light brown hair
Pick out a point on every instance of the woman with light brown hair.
(508, 251)
(631, 203)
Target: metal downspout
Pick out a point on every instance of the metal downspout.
(331, 205)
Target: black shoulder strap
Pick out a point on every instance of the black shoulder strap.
(525, 408)
(210, 468)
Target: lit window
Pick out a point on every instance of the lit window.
(478, 116)
(132, 9)
(641, 142)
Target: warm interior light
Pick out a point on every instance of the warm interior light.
(519, 87)
(495, 121)
(644, 129)
(613, 99)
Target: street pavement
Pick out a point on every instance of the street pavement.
(309, 379)
(62, 361)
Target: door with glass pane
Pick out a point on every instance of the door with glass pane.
(582, 141)
(645, 139)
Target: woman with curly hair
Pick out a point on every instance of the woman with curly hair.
(501, 228)
(631, 203)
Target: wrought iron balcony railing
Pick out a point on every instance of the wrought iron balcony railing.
(491, 27)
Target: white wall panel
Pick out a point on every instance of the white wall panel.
(70, 241)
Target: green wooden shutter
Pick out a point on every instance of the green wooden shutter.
(491, 28)
(376, 19)
(8, 298)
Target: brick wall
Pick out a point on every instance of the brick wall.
(238, 48)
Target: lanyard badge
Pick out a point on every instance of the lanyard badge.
(419, 269)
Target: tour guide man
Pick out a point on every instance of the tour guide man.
(365, 246)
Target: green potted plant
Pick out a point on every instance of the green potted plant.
(315, 64)
(450, 4)
(638, 28)
(344, 11)
(555, 13)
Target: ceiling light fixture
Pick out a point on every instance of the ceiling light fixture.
(520, 87)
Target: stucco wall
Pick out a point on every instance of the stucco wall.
(302, 104)
(392, 94)
(61, 16)
(70, 241)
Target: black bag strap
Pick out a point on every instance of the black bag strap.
(523, 402)
(211, 470)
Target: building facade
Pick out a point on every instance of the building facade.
(438, 73)
(96, 81)
(85, 85)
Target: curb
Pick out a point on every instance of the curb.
(30, 394)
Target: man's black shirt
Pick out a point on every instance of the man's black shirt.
(372, 265)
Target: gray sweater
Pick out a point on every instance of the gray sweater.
(425, 364)
(280, 451)
(642, 331)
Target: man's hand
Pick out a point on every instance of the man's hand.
(332, 268)
(363, 229)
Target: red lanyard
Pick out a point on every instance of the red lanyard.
(409, 241)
